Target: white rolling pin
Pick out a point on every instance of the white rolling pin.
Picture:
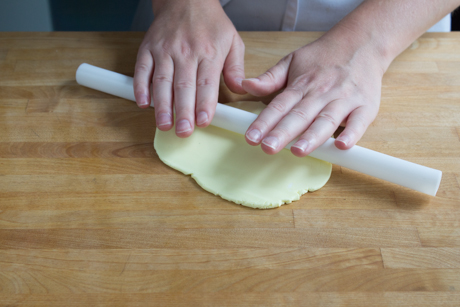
(366, 161)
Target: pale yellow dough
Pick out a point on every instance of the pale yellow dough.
(223, 164)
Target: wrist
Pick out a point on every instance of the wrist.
(158, 6)
(352, 42)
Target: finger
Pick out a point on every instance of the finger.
(358, 121)
(234, 66)
(324, 125)
(296, 121)
(162, 92)
(271, 81)
(184, 96)
(142, 76)
(207, 91)
(272, 114)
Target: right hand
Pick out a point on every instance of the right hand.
(183, 54)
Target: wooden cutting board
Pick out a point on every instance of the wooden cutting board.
(90, 216)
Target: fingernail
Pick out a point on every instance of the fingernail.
(301, 144)
(183, 126)
(143, 101)
(254, 135)
(252, 79)
(202, 118)
(164, 119)
(344, 139)
(271, 142)
(239, 81)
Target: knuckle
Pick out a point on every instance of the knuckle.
(186, 50)
(174, 48)
(277, 107)
(300, 113)
(322, 88)
(329, 118)
(165, 47)
(144, 50)
(269, 74)
(301, 82)
(184, 84)
(208, 51)
(142, 68)
(205, 82)
(159, 79)
(238, 42)
(295, 93)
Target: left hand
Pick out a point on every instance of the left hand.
(327, 83)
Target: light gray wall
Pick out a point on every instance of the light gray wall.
(25, 15)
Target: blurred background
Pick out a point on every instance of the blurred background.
(67, 15)
(81, 15)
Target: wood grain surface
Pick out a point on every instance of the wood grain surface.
(89, 216)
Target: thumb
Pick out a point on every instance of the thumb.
(271, 81)
(234, 66)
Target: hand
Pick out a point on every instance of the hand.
(326, 83)
(183, 54)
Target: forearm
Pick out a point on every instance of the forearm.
(388, 27)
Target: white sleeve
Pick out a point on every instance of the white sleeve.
(444, 25)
